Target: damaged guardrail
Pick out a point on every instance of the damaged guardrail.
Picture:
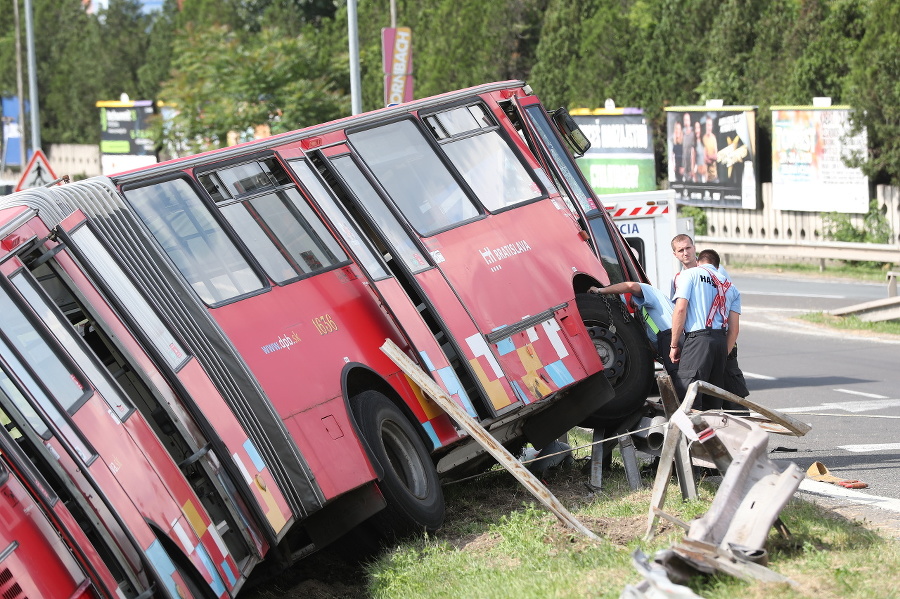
(730, 537)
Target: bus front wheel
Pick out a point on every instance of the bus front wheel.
(410, 484)
(623, 348)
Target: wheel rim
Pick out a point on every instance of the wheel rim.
(611, 349)
(404, 459)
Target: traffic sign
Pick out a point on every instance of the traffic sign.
(37, 174)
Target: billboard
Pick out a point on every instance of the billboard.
(809, 146)
(712, 153)
(125, 141)
(621, 156)
(12, 132)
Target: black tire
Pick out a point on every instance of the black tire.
(415, 501)
(626, 354)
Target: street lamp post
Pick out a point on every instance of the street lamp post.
(32, 80)
(355, 93)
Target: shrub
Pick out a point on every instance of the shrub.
(698, 215)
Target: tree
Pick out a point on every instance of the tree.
(874, 92)
(829, 35)
(222, 82)
(71, 74)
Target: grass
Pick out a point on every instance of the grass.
(499, 543)
(852, 323)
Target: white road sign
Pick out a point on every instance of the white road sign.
(38, 172)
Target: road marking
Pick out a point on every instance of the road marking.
(768, 310)
(852, 392)
(870, 447)
(848, 406)
(763, 377)
(817, 488)
(782, 294)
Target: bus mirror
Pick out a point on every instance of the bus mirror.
(575, 139)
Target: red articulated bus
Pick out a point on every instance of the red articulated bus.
(238, 300)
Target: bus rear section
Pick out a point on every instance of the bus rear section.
(102, 429)
(283, 264)
(38, 555)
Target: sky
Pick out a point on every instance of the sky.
(149, 5)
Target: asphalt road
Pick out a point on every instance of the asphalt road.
(846, 385)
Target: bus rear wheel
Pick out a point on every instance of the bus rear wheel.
(415, 501)
(623, 349)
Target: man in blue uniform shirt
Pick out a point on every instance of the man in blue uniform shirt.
(702, 313)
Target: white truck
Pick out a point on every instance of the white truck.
(648, 222)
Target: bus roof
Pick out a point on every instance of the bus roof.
(179, 164)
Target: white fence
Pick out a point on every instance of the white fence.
(769, 224)
(768, 234)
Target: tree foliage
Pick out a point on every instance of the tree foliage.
(875, 88)
(230, 65)
(222, 82)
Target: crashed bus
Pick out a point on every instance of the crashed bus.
(229, 308)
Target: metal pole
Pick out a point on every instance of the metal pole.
(355, 97)
(393, 14)
(32, 79)
(20, 89)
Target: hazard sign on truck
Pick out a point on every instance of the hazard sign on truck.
(648, 222)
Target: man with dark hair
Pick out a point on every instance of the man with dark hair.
(654, 310)
(734, 377)
(702, 313)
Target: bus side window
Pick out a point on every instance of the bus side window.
(74, 345)
(385, 220)
(194, 241)
(347, 230)
(487, 163)
(265, 209)
(414, 176)
(65, 385)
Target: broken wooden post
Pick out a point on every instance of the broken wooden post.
(484, 438)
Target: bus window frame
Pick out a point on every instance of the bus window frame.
(504, 135)
(389, 204)
(53, 429)
(26, 472)
(214, 168)
(101, 369)
(216, 215)
(316, 203)
(629, 270)
(439, 153)
(115, 300)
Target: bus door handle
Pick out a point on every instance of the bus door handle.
(195, 456)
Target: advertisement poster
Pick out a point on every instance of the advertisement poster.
(712, 156)
(396, 60)
(621, 156)
(809, 146)
(125, 141)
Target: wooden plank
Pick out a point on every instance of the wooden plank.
(484, 438)
(683, 465)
